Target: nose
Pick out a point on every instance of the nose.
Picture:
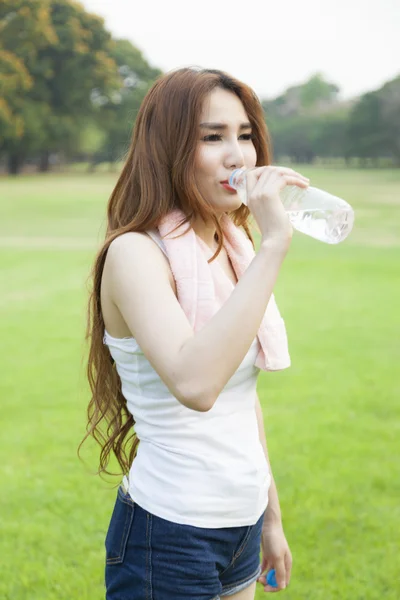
(234, 155)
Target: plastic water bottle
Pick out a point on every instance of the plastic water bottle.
(312, 211)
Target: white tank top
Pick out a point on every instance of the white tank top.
(206, 469)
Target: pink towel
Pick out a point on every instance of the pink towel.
(203, 287)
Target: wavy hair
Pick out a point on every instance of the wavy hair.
(158, 176)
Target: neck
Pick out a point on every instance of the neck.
(206, 231)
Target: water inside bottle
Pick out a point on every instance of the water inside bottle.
(311, 211)
(329, 226)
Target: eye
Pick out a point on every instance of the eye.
(247, 137)
(215, 137)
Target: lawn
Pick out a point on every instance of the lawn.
(332, 420)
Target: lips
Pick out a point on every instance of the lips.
(226, 185)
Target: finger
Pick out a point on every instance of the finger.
(263, 578)
(257, 176)
(275, 183)
(296, 180)
(264, 564)
(292, 173)
(288, 170)
(257, 183)
(263, 177)
(253, 175)
(270, 178)
(280, 573)
(268, 588)
(255, 172)
(279, 175)
(288, 566)
(264, 568)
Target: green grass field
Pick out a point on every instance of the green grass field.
(332, 420)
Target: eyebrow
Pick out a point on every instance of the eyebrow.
(222, 126)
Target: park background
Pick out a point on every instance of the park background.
(69, 93)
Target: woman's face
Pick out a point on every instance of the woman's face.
(225, 143)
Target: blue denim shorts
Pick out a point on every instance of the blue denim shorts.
(150, 558)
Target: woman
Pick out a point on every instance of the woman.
(180, 326)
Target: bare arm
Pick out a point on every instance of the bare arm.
(194, 366)
(197, 366)
(214, 353)
(275, 549)
(273, 512)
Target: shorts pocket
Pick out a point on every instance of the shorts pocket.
(119, 528)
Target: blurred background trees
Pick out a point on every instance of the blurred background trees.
(66, 87)
(309, 123)
(70, 92)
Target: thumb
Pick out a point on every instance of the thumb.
(280, 573)
(264, 565)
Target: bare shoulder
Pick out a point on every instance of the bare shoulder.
(139, 302)
(136, 272)
(133, 251)
(131, 242)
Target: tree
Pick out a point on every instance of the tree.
(329, 134)
(314, 96)
(14, 81)
(117, 111)
(25, 28)
(389, 96)
(67, 53)
(300, 120)
(318, 94)
(365, 135)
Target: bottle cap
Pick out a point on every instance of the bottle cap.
(233, 179)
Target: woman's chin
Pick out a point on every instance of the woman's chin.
(228, 205)
(235, 205)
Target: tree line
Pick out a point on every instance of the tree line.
(309, 122)
(68, 88)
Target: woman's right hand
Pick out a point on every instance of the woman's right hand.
(264, 185)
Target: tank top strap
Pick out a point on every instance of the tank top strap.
(156, 237)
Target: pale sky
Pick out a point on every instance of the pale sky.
(268, 45)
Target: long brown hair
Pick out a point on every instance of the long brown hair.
(158, 176)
